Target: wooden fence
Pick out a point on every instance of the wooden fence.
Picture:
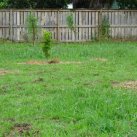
(123, 24)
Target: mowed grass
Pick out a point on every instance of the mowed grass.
(75, 99)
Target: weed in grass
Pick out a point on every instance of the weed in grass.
(47, 43)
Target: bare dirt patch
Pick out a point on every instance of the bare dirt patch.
(4, 72)
(54, 61)
(23, 129)
(35, 62)
(126, 84)
(20, 129)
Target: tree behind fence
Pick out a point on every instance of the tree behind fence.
(123, 24)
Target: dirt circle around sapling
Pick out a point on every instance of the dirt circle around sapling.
(39, 62)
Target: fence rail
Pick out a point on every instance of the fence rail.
(123, 23)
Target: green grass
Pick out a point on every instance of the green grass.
(69, 100)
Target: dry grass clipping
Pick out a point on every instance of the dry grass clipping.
(36, 62)
(126, 84)
(99, 59)
(4, 72)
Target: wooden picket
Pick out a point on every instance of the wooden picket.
(123, 24)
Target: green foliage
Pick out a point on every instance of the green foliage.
(3, 4)
(32, 27)
(47, 43)
(70, 22)
(105, 4)
(22, 4)
(104, 29)
(127, 4)
(37, 3)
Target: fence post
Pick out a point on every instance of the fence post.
(58, 26)
(99, 23)
(11, 25)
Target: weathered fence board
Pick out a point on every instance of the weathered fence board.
(123, 24)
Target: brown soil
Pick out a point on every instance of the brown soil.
(54, 61)
(20, 129)
(126, 84)
(4, 72)
(35, 62)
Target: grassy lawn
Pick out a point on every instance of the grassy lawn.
(92, 92)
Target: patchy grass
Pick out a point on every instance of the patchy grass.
(126, 84)
(74, 97)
